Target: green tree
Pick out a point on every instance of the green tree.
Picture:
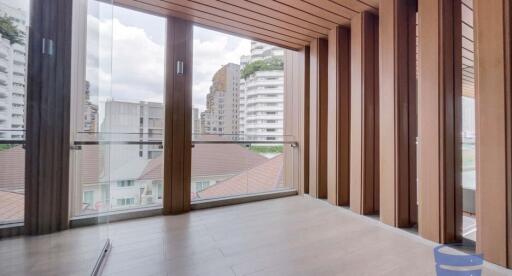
(9, 30)
(5, 147)
(268, 64)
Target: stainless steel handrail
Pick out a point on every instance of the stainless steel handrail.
(77, 144)
(12, 142)
(245, 142)
(159, 143)
(82, 143)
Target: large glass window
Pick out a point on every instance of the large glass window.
(237, 117)
(14, 35)
(468, 123)
(119, 97)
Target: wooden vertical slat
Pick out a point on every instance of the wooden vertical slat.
(364, 158)
(318, 119)
(338, 117)
(396, 122)
(439, 110)
(294, 121)
(48, 103)
(493, 120)
(507, 13)
(305, 130)
(178, 112)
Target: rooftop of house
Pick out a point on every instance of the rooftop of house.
(266, 176)
(246, 172)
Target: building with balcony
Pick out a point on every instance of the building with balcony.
(13, 59)
(262, 102)
(196, 121)
(128, 121)
(244, 60)
(222, 102)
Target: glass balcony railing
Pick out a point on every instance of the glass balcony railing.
(12, 180)
(232, 165)
(116, 172)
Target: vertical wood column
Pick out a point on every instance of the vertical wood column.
(439, 110)
(397, 112)
(494, 137)
(178, 113)
(318, 119)
(48, 119)
(364, 118)
(338, 117)
(305, 131)
(296, 118)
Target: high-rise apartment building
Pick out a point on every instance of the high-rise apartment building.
(244, 60)
(143, 121)
(222, 102)
(13, 60)
(261, 95)
(196, 121)
(90, 111)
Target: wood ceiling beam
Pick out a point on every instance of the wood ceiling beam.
(359, 6)
(167, 4)
(291, 10)
(244, 4)
(235, 17)
(261, 17)
(156, 9)
(333, 7)
(342, 18)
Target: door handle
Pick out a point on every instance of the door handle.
(179, 67)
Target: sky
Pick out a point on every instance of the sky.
(20, 4)
(212, 50)
(126, 60)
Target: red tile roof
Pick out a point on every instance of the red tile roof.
(11, 206)
(91, 164)
(12, 172)
(253, 173)
(265, 177)
(211, 160)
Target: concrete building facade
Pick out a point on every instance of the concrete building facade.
(222, 102)
(13, 60)
(262, 97)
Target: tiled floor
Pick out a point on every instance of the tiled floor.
(288, 236)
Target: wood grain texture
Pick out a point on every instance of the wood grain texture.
(492, 21)
(440, 99)
(507, 13)
(305, 131)
(396, 121)
(48, 119)
(318, 118)
(210, 22)
(338, 117)
(178, 112)
(295, 125)
(364, 120)
(282, 22)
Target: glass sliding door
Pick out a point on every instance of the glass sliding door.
(91, 89)
(120, 113)
(14, 36)
(238, 118)
(468, 124)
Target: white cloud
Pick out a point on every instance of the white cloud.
(212, 50)
(138, 65)
(133, 62)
